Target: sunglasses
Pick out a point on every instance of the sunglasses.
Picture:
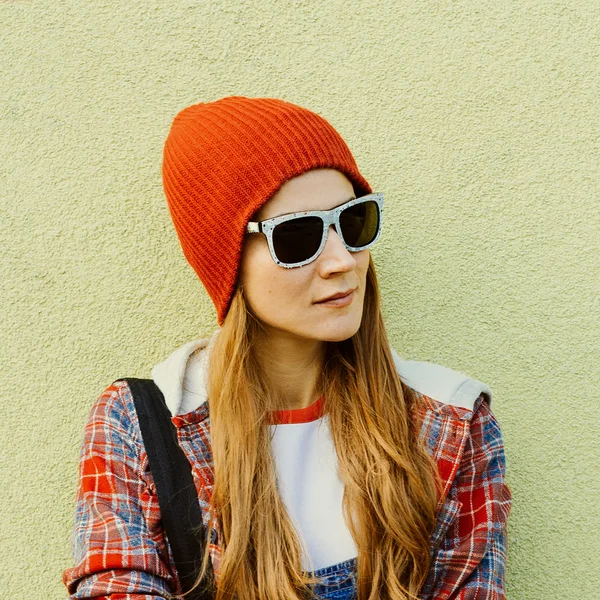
(297, 239)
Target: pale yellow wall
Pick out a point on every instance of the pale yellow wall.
(479, 119)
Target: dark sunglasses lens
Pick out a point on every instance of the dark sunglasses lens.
(360, 223)
(298, 239)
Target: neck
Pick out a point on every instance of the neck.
(292, 366)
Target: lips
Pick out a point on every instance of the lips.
(336, 296)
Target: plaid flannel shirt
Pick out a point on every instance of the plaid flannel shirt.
(119, 546)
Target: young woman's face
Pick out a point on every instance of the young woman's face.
(287, 300)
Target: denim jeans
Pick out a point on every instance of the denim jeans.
(338, 582)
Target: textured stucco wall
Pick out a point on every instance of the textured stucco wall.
(478, 118)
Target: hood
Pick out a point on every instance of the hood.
(182, 378)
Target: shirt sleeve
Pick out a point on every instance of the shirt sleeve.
(119, 548)
(469, 556)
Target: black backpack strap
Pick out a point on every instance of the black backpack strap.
(177, 497)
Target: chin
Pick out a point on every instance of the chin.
(338, 332)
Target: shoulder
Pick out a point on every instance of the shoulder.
(112, 418)
(442, 384)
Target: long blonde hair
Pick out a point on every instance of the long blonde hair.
(390, 481)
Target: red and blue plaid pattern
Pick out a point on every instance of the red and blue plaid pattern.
(121, 553)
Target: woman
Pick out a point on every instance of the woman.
(323, 462)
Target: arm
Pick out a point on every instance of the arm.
(118, 543)
(470, 558)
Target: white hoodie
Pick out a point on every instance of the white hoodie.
(305, 458)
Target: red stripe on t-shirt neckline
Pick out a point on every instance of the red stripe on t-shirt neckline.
(298, 415)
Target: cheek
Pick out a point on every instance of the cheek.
(362, 267)
(362, 263)
(268, 288)
(254, 271)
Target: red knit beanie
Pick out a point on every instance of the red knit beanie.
(223, 160)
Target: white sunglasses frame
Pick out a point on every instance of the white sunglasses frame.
(329, 217)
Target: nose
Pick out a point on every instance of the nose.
(335, 256)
